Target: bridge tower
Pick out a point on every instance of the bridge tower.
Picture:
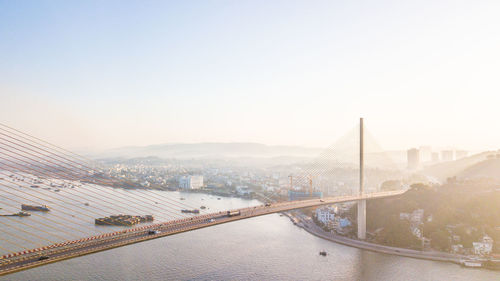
(361, 203)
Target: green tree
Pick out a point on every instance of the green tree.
(397, 233)
(440, 240)
(390, 185)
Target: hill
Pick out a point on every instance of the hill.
(210, 151)
(489, 168)
(442, 171)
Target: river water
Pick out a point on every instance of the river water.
(262, 248)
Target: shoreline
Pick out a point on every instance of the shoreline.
(427, 255)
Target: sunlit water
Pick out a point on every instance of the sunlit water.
(262, 248)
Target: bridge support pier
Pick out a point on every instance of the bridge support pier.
(361, 203)
(362, 219)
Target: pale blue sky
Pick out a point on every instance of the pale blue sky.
(113, 73)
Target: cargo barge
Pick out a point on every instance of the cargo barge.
(195, 211)
(42, 208)
(20, 214)
(123, 220)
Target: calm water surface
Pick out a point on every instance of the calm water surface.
(262, 248)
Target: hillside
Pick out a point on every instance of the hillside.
(467, 210)
(444, 170)
(489, 168)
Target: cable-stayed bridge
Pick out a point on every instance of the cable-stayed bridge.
(35, 173)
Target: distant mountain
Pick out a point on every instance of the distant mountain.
(489, 168)
(444, 170)
(209, 151)
(251, 153)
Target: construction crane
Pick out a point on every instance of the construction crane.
(310, 186)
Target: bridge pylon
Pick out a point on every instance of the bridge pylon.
(361, 203)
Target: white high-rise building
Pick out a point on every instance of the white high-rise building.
(413, 158)
(435, 157)
(425, 154)
(447, 155)
(191, 182)
(459, 154)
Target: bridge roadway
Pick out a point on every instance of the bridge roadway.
(70, 249)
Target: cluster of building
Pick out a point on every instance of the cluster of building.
(190, 176)
(416, 219)
(479, 248)
(144, 174)
(418, 156)
(191, 182)
(483, 247)
(232, 180)
(331, 217)
(243, 190)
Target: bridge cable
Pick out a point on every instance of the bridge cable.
(68, 159)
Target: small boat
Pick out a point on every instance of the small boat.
(86, 204)
(203, 207)
(22, 214)
(182, 198)
(472, 263)
(322, 253)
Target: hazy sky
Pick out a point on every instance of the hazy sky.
(112, 73)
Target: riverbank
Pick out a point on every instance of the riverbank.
(308, 225)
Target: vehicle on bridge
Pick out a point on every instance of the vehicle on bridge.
(233, 213)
